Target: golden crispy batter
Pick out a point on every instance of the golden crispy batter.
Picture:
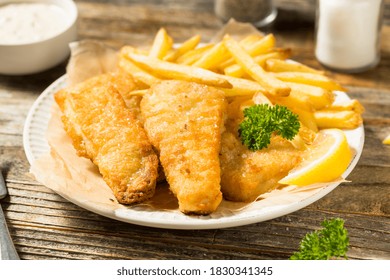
(247, 174)
(104, 130)
(184, 121)
(124, 83)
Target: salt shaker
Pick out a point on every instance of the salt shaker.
(258, 12)
(348, 34)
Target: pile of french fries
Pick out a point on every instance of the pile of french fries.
(248, 67)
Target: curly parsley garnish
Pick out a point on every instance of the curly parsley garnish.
(261, 120)
(330, 242)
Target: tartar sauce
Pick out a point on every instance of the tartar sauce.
(22, 23)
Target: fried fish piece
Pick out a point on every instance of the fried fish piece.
(246, 174)
(104, 130)
(184, 121)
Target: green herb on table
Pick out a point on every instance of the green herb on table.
(261, 121)
(328, 243)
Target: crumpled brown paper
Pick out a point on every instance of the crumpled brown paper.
(78, 180)
(89, 58)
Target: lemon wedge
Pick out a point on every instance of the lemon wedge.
(386, 141)
(324, 161)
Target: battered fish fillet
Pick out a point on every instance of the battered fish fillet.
(184, 121)
(245, 174)
(104, 130)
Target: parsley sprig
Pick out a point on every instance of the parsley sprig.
(330, 242)
(261, 120)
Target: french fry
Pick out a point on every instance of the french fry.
(161, 45)
(237, 86)
(344, 114)
(181, 72)
(236, 70)
(242, 58)
(193, 55)
(279, 65)
(212, 57)
(242, 87)
(138, 92)
(293, 101)
(347, 105)
(246, 43)
(261, 46)
(260, 98)
(250, 39)
(137, 73)
(319, 98)
(188, 45)
(306, 118)
(309, 79)
(337, 119)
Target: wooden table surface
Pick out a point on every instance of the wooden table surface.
(45, 226)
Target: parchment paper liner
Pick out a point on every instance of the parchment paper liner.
(71, 176)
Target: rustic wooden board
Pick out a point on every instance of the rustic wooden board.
(45, 226)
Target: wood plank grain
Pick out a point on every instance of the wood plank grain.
(252, 241)
(46, 226)
(268, 234)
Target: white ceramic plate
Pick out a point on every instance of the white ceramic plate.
(270, 207)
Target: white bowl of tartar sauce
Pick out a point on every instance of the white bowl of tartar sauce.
(35, 34)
